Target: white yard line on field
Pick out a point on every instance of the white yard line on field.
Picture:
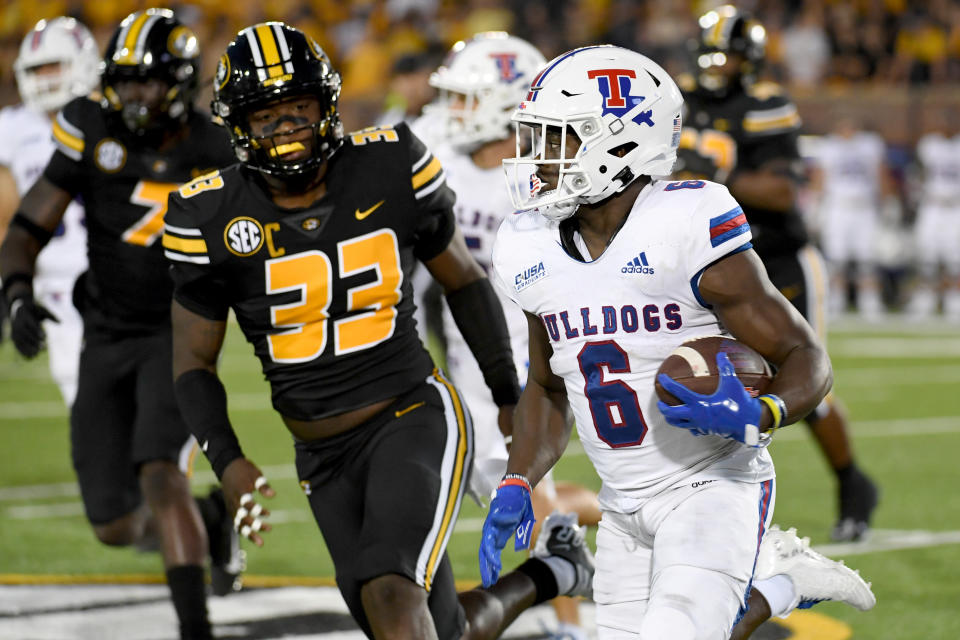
(903, 348)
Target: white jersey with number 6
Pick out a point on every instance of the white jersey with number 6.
(612, 321)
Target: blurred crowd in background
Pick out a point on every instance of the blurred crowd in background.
(813, 44)
(890, 66)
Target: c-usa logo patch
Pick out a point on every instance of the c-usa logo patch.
(529, 275)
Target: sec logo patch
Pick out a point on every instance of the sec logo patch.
(110, 155)
(243, 236)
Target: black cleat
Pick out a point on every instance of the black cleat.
(858, 499)
(227, 559)
(560, 536)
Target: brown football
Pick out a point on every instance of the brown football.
(694, 365)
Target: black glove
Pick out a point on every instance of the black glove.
(26, 324)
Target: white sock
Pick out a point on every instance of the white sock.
(779, 593)
(563, 571)
(569, 631)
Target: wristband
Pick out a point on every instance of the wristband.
(778, 410)
(38, 233)
(515, 479)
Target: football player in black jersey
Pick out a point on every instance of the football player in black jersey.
(121, 156)
(311, 240)
(750, 130)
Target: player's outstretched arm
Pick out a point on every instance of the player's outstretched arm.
(30, 229)
(754, 312)
(542, 427)
(202, 399)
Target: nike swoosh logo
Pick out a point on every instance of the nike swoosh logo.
(408, 409)
(363, 214)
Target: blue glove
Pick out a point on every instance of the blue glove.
(729, 412)
(510, 511)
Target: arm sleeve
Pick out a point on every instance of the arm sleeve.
(196, 285)
(436, 223)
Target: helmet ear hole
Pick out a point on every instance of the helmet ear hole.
(623, 149)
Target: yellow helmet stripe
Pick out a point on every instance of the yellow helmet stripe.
(718, 34)
(135, 38)
(271, 55)
(128, 38)
(268, 45)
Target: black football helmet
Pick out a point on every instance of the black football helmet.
(723, 31)
(151, 44)
(266, 63)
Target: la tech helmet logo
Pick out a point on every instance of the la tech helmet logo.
(615, 85)
(507, 64)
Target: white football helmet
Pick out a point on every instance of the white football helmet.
(61, 40)
(480, 84)
(624, 108)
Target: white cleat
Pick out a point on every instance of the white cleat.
(560, 536)
(815, 577)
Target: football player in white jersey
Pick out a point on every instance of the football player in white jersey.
(58, 61)
(851, 180)
(937, 228)
(479, 85)
(615, 269)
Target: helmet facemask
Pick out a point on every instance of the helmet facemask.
(471, 117)
(603, 165)
(149, 108)
(293, 152)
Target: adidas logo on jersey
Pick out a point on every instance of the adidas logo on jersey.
(638, 265)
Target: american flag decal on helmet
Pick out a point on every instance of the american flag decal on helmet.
(675, 140)
(535, 185)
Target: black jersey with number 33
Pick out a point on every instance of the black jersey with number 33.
(322, 292)
(124, 189)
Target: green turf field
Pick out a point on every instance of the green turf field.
(900, 386)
